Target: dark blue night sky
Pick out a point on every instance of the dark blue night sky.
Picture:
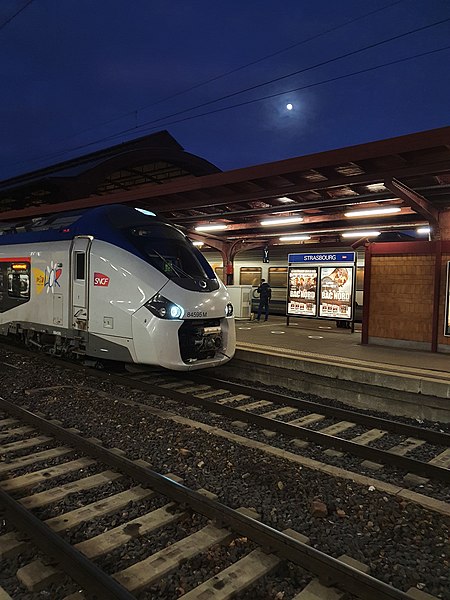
(79, 75)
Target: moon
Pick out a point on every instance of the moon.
(289, 106)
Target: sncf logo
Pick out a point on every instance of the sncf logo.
(101, 280)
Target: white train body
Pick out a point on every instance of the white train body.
(115, 290)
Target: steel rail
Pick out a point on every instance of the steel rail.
(373, 454)
(70, 560)
(410, 465)
(330, 570)
(429, 435)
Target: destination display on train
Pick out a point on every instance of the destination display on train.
(336, 292)
(302, 292)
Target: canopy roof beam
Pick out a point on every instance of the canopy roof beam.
(414, 200)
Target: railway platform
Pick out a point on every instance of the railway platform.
(318, 357)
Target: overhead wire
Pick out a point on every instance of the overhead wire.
(5, 23)
(244, 66)
(145, 126)
(275, 95)
(301, 71)
(276, 53)
(305, 87)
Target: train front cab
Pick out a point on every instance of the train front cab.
(200, 339)
(123, 327)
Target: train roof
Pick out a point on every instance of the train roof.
(104, 222)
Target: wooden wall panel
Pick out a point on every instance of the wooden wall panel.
(401, 297)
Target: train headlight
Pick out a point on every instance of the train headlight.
(163, 308)
(176, 312)
(229, 310)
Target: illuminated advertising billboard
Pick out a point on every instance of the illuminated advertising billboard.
(447, 303)
(302, 292)
(336, 292)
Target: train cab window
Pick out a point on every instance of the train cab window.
(80, 260)
(169, 251)
(250, 275)
(278, 277)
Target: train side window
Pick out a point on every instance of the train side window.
(278, 277)
(80, 260)
(19, 285)
(14, 285)
(250, 275)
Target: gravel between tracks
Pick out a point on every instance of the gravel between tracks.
(404, 544)
(438, 426)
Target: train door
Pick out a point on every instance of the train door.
(79, 311)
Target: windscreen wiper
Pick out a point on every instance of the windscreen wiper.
(178, 270)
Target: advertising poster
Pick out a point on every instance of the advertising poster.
(336, 298)
(302, 292)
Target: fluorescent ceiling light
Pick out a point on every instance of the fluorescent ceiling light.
(146, 212)
(282, 221)
(285, 200)
(360, 234)
(376, 187)
(369, 212)
(199, 244)
(423, 230)
(210, 227)
(294, 238)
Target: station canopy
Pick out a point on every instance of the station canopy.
(320, 193)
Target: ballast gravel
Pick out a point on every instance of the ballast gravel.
(402, 543)
(63, 480)
(435, 488)
(98, 525)
(199, 569)
(437, 426)
(13, 587)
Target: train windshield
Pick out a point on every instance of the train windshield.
(166, 249)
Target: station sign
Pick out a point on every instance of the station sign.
(323, 257)
(322, 285)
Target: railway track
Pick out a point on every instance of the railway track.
(346, 431)
(377, 441)
(23, 435)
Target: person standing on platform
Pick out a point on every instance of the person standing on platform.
(265, 294)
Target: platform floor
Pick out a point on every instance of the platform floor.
(307, 338)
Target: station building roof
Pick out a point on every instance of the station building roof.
(410, 173)
(153, 159)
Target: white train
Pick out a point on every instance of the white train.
(113, 283)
